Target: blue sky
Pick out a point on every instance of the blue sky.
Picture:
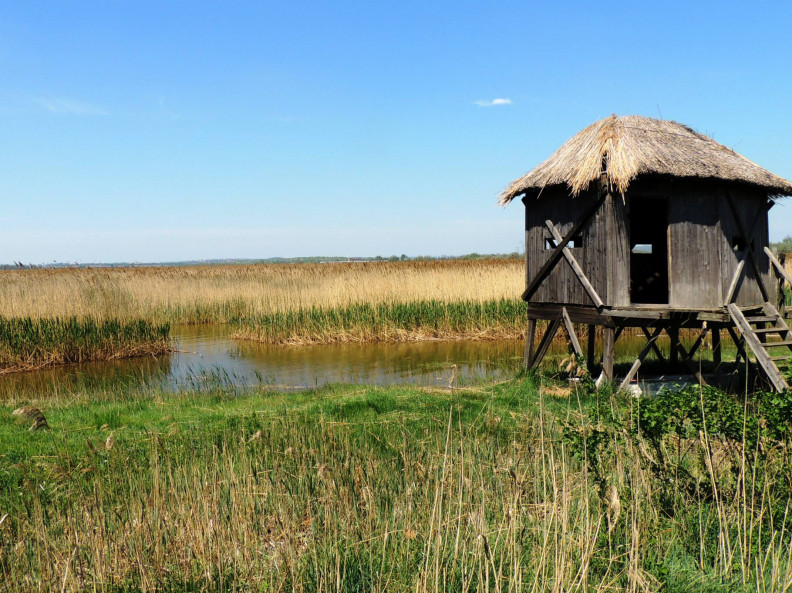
(157, 131)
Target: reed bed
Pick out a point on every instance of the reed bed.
(223, 293)
(519, 486)
(30, 344)
(389, 322)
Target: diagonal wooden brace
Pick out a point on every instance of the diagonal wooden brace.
(545, 342)
(595, 298)
(637, 364)
(654, 345)
(570, 330)
(748, 247)
(732, 292)
(555, 256)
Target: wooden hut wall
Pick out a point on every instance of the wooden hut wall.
(594, 253)
(694, 249)
(751, 206)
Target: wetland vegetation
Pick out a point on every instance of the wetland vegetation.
(519, 485)
(29, 344)
(58, 316)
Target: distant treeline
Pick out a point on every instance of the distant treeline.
(271, 260)
(783, 246)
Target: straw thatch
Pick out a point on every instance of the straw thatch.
(626, 147)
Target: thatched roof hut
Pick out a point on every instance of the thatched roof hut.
(624, 148)
(659, 226)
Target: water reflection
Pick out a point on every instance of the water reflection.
(207, 354)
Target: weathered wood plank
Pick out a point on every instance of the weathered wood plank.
(778, 265)
(655, 349)
(607, 356)
(641, 356)
(570, 330)
(557, 253)
(530, 336)
(748, 248)
(592, 337)
(581, 275)
(738, 273)
(544, 344)
(768, 366)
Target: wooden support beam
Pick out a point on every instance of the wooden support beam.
(544, 344)
(748, 248)
(688, 355)
(581, 275)
(592, 337)
(764, 360)
(778, 266)
(716, 347)
(607, 357)
(739, 343)
(655, 349)
(555, 256)
(638, 361)
(673, 334)
(570, 330)
(530, 336)
(731, 293)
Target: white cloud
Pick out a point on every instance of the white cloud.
(493, 102)
(69, 107)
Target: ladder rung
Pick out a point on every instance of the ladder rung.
(777, 358)
(760, 318)
(769, 330)
(774, 344)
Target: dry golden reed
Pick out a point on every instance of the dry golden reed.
(206, 294)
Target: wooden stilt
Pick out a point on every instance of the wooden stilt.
(544, 344)
(716, 347)
(607, 356)
(592, 336)
(530, 336)
(673, 334)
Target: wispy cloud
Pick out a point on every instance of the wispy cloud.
(69, 107)
(493, 102)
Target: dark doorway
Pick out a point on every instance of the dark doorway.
(649, 250)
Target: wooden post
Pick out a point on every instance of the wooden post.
(544, 343)
(716, 347)
(673, 333)
(530, 336)
(590, 348)
(607, 354)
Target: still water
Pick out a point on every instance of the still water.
(207, 354)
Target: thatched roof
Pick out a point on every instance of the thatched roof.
(630, 146)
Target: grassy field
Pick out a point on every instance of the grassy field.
(223, 293)
(28, 344)
(517, 486)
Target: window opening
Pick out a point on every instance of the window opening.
(575, 242)
(740, 244)
(649, 250)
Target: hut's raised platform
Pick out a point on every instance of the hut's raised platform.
(760, 329)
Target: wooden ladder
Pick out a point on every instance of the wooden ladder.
(756, 325)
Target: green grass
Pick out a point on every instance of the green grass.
(511, 486)
(27, 344)
(389, 322)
